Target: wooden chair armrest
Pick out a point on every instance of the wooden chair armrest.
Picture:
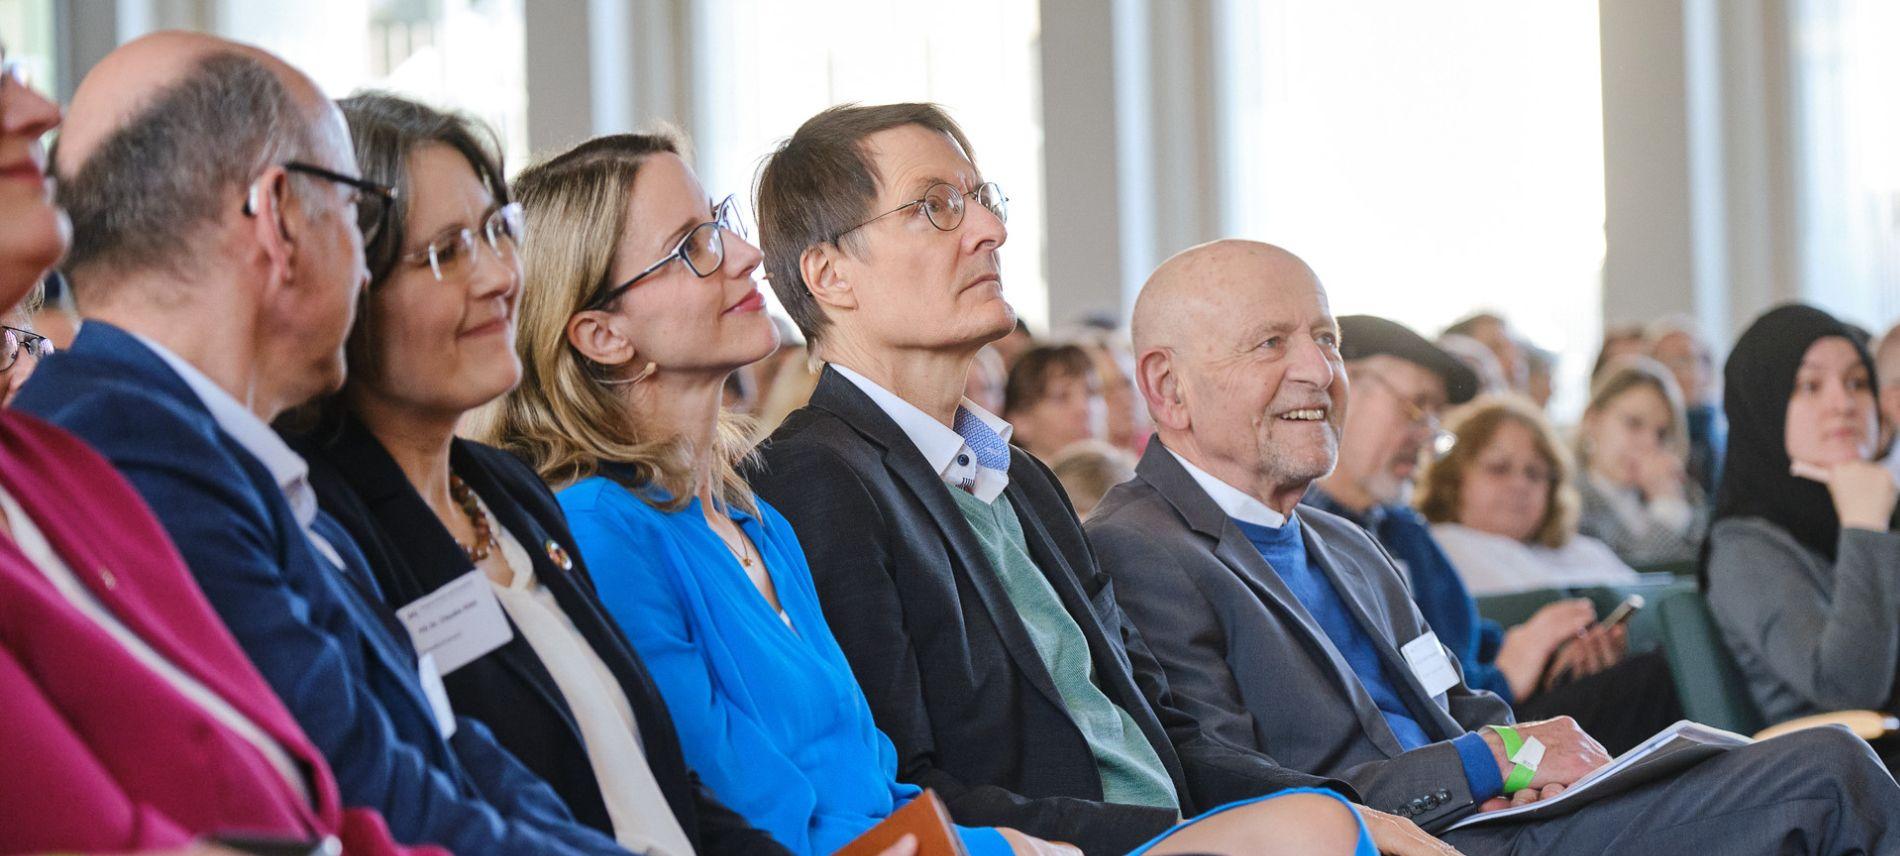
(1869, 724)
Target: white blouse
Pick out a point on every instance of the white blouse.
(33, 543)
(643, 820)
(1495, 564)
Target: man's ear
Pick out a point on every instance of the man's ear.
(265, 204)
(1160, 385)
(596, 339)
(822, 268)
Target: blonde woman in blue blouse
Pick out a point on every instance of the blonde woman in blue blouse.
(639, 302)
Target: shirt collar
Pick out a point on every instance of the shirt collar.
(286, 467)
(1236, 503)
(942, 447)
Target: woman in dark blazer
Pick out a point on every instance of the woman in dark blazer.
(467, 528)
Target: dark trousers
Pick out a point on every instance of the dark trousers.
(1620, 706)
(1819, 792)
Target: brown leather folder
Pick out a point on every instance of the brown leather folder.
(924, 817)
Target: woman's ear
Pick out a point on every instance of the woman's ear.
(821, 268)
(592, 334)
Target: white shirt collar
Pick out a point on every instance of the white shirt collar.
(1236, 503)
(290, 471)
(942, 447)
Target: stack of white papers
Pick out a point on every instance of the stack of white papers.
(1672, 750)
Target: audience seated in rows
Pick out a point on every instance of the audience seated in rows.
(556, 681)
(1803, 569)
(1402, 384)
(218, 255)
(949, 566)
(639, 304)
(1632, 446)
(1292, 632)
(1502, 505)
(134, 721)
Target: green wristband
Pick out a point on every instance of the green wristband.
(1521, 774)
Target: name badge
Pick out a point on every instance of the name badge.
(437, 694)
(457, 622)
(1430, 664)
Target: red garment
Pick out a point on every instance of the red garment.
(98, 752)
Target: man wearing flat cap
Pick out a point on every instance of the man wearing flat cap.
(1401, 385)
(1288, 630)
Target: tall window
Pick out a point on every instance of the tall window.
(1847, 155)
(765, 66)
(462, 55)
(27, 28)
(1429, 159)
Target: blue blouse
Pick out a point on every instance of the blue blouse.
(770, 717)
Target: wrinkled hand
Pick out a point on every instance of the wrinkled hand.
(1028, 845)
(1569, 753)
(1597, 649)
(1523, 797)
(1528, 647)
(1399, 836)
(1660, 475)
(1864, 492)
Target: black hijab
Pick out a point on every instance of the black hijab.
(1757, 383)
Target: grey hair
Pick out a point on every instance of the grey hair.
(177, 167)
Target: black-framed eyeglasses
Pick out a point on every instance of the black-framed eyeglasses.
(452, 256)
(943, 205)
(16, 341)
(703, 251)
(372, 200)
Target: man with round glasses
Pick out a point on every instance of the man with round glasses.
(951, 567)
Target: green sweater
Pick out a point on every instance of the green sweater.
(1131, 772)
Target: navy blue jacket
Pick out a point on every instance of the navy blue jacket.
(322, 638)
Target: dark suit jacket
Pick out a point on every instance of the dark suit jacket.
(100, 751)
(1250, 664)
(947, 664)
(320, 637)
(509, 689)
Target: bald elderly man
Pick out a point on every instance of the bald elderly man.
(1288, 631)
(217, 258)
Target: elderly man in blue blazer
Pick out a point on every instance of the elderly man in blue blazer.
(217, 257)
(1287, 630)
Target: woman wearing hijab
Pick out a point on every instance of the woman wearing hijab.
(1801, 569)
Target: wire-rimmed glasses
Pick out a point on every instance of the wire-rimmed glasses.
(452, 256)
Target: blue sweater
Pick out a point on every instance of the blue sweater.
(770, 717)
(1436, 587)
(1284, 550)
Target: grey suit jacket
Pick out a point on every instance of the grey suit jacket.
(1245, 658)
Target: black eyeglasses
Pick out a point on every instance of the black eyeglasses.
(372, 200)
(703, 250)
(943, 205)
(17, 341)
